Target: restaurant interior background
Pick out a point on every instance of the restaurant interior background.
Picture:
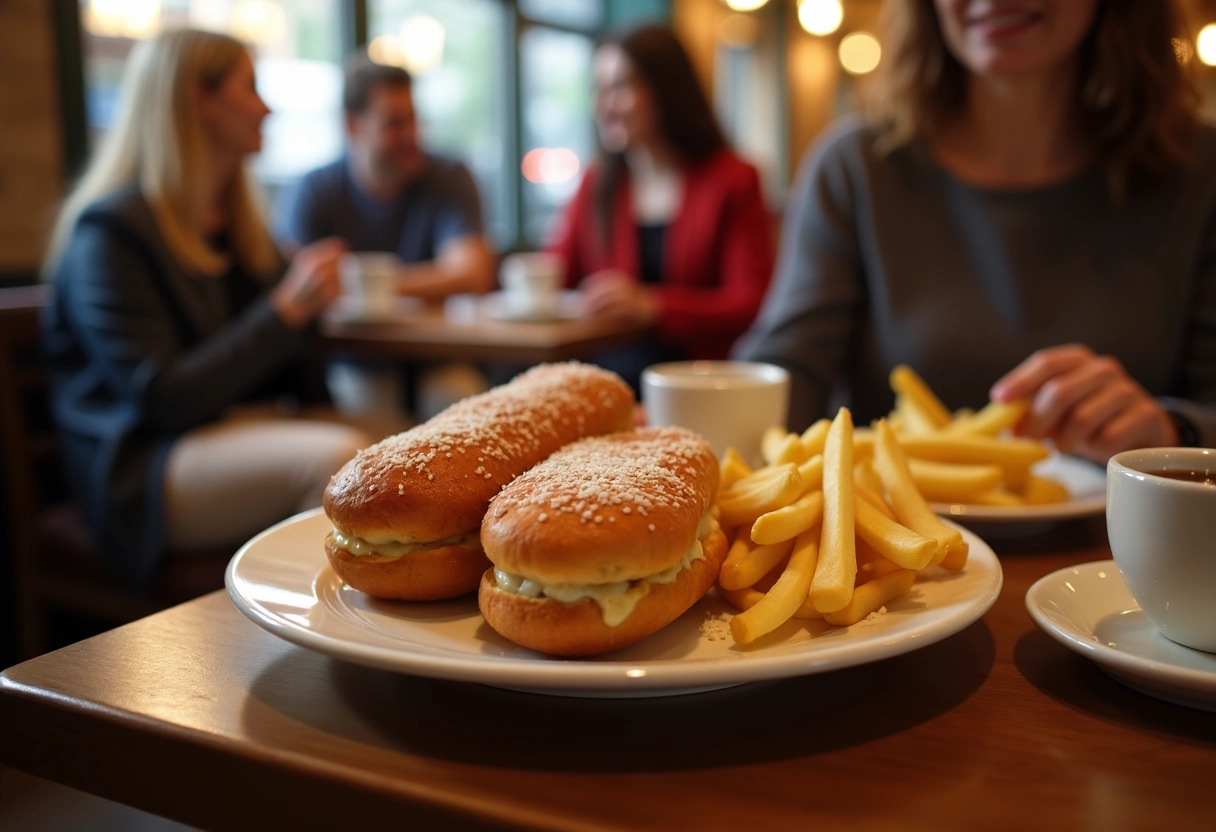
(503, 84)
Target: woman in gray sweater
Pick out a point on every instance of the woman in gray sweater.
(1026, 210)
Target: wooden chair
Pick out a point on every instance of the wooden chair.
(55, 565)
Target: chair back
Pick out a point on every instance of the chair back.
(55, 565)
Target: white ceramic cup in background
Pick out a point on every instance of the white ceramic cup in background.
(369, 282)
(531, 280)
(730, 403)
(1162, 532)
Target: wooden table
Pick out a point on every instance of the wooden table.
(460, 330)
(199, 715)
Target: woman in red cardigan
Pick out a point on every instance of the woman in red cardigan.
(670, 228)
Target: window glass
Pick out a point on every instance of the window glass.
(456, 52)
(556, 127)
(576, 14)
(296, 48)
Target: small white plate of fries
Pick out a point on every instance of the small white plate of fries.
(1084, 482)
(281, 581)
(1089, 610)
(969, 466)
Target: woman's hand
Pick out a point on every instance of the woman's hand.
(1085, 403)
(613, 293)
(311, 284)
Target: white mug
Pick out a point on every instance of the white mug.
(531, 280)
(730, 403)
(1161, 521)
(369, 281)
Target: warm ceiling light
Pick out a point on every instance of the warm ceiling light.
(744, 5)
(859, 53)
(122, 18)
(386, 49)
(1205, 44)
(820, 17)
(422, 42)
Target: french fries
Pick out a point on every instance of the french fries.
(832, 586)
(967, 457)
(917, 398)
(837, 522)
(787, 595)
(824, 538)
(909, 506)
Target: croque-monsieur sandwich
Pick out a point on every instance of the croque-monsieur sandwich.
(407, 511)
(602, 544)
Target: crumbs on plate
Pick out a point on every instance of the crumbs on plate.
(874, 616)
(716, 626)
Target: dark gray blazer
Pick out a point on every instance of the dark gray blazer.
(140, 351)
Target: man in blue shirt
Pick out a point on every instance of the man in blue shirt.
(386, 194)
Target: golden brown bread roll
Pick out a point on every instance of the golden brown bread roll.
(603, 543)
(407, 510)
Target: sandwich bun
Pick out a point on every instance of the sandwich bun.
(426, 575)
(618, 526)
(578, 629)
(424, 492)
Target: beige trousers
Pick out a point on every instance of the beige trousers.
(226, 481)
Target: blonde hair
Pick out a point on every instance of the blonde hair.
(157, 142)
(1135, 103)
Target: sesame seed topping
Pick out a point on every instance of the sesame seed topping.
(506, 430)
(617, 475)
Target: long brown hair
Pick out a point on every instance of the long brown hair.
(685, 118)
(1134, 100)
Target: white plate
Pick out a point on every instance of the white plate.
(280, 580)
(495, 305)
(1085, 481)
(1088, 609)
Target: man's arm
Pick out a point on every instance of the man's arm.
(464, 264)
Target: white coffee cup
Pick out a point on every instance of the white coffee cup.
(530, 282)
(1162, 530)
(369, 282)
(730, 403)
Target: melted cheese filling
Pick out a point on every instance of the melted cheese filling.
(616, 599)
(386, 550)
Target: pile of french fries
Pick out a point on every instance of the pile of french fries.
(967, 457)
(833, 526)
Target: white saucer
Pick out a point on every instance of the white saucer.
(1089, 609)
(495, 305)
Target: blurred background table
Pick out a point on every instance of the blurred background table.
(199, 715)
(461, 330)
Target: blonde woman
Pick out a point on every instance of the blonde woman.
(1028, 210)
(174, 313)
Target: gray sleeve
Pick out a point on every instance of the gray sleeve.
(459, 213)
(126, 327)
(810, 315)
(1196, 401)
